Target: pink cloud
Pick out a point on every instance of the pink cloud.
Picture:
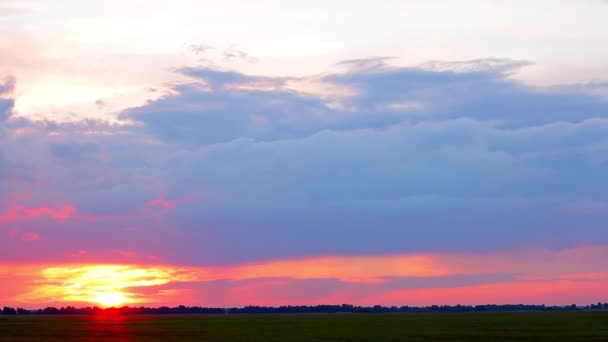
(576, 275)
(562, 292)
(159, 204)
(162, 203)
(79, 253)
(125, 254)
(22, 235)
(30, 236)
(17, 213)
(12, 232)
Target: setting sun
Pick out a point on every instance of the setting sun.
(110, 299)
(105, 285)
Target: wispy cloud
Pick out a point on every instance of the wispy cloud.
(20, 213)
(12, 7)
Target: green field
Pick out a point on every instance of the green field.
(524, 326)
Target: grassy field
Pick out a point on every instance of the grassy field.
(525, 326)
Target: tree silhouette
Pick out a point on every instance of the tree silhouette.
(9, 311)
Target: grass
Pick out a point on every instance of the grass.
(523, 326)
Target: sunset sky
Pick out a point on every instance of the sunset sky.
(274, 152)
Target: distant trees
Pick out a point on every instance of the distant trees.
(9, 311)
(328, 309)
(22, 311)
(598, 306)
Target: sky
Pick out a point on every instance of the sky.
(286, 152)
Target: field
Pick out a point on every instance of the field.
(524, 326)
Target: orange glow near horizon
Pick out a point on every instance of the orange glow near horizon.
(534, 274)
(555, 291)
(106, 285)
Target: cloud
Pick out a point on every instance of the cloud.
(396, 158)
(498, 277)
(362, 64)
(22, 235)
(557, 292)
(232, 54)
(30, 236)
(224, 115)
(6, 103)
(4, 167)
(200, 49)
(17, 213)
(108, 279)
(478, 90)
(73, 150)
(501, 65)
(7, 86)
(11, 7)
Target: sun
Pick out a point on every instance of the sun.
(103, 285)
(109, 299)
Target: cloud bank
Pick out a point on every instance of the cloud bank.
(420, 279)
(229, 168)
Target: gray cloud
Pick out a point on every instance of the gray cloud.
(481, 161)
(6, 103)
(73, 150)
(234, 54)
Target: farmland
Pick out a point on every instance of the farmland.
(519, 326)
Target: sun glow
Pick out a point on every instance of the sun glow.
(156, 285)
(105, 285)
(109, 299)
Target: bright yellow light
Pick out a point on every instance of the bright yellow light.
(109, 299)
(106, 285)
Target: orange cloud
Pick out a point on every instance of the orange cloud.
(355, 268)
(359, 269)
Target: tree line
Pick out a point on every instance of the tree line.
(329, 309)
